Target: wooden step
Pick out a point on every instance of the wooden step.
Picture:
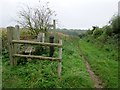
(29, 50)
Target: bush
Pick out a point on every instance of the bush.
(115, 22)
(81, 35)
(108, 30)
(98, 32)
(4, 39)
(89, 32)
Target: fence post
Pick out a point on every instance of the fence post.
(51, 40)
(54, 24)
(60, 61)
(16, 36)
(10, 45)
(43, 37)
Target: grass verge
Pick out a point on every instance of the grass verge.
(103, 62)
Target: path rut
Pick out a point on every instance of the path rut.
(97, 81)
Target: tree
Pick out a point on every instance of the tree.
(36, 19)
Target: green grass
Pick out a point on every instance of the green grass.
(103, 62)
(43, 74)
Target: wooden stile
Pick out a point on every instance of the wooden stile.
(13, 35)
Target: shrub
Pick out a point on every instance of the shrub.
(115, 22)
(98, 32)
(81, 35)
(89, 32)
(108, 30)
(4, 39)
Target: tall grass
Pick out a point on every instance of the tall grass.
(43, 73)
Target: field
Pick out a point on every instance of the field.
(43, 74)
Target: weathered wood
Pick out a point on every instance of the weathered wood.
(36, 43)
(54, 24)
(59, 69)
(43, 37)
(10, 45)
(39, 37)
(60, 50)
(37, 57)
(29, 50)
(16, 47)
(14, 41)
(60, 60)
(51, 40)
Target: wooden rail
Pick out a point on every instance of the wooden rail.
(36, 43)
(14, 42)
(37, 57)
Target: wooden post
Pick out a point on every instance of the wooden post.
(54, 24)
(10, 45)
(43, 37)
(38, 38)
(60, 61)
(16, 36)
(51, 40)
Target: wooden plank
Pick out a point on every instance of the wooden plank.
(16, 47)
(36, 43)
(59, 69)
(29, 49)
(10, 45)
(43, 37)
(37, 57)
(60, 50)
(60, 60)
(39, 37)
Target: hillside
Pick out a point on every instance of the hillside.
(75, 74)
(71, 32)
(89, 60)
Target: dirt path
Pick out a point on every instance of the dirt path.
(97, 82)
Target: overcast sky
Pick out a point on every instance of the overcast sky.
(76, 14)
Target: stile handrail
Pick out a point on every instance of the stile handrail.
(36, 43)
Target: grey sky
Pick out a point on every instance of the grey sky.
(70, 13)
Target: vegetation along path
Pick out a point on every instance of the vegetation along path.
(80, 59)
(97, 81)
(100, 61)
